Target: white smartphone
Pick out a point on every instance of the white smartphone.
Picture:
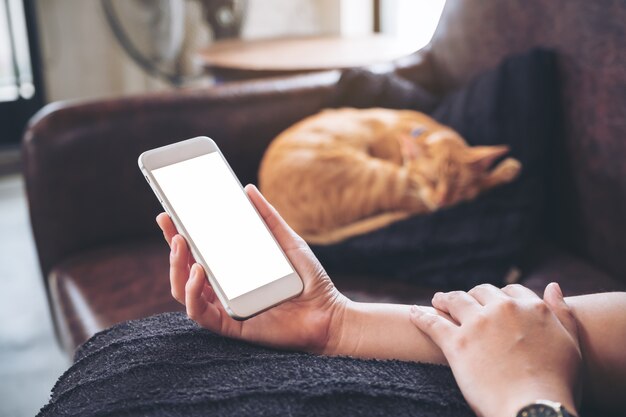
(244, 263)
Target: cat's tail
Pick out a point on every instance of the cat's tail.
(359, 227)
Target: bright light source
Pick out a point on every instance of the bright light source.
(16, 74)
(8, 93)
(411, 20)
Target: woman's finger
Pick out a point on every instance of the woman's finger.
(179, 268)
(209, 293)
(487, 293)
(190, 259)
(519, 291)
(434, 326)
(199, 309)
(553, 297)
(286, 237)
(167, 226)
(458, 304)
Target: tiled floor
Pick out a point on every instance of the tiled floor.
(30, 360)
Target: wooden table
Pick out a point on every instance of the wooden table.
(244, 59)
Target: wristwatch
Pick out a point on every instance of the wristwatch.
(544, 408)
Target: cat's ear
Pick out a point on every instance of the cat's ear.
(483, 157)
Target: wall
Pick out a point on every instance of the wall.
(269, 18)
(82, 59)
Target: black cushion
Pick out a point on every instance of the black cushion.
(479, 241)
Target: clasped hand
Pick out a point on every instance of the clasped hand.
(507, 347)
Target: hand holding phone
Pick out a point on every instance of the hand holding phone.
(234, 257)
(206, 202)
(302, 323)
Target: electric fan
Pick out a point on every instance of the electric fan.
(162, 36)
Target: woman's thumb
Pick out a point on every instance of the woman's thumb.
(553, 297)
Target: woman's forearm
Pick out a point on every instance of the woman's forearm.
(602, 332)
(384, 331)
(381, 331)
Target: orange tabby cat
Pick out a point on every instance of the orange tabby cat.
(345, 172)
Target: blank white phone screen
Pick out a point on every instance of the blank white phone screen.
(223, 224)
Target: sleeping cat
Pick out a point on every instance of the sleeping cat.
(345, 172)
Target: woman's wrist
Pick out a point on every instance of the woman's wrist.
(381, 331)
(341, 323)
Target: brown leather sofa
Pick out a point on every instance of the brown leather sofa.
(103, 258)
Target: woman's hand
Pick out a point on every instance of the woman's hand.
(306, 322)
(507, 348)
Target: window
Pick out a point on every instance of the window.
(411, 20)
(19, 95)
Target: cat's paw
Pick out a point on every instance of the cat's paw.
(508, 170)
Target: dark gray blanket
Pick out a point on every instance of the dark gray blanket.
(166, 365)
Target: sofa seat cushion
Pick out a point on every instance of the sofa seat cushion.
(97, 289)
(546, 264)
(93, 290)
(575, 276)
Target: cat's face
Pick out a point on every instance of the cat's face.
(448, 170)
